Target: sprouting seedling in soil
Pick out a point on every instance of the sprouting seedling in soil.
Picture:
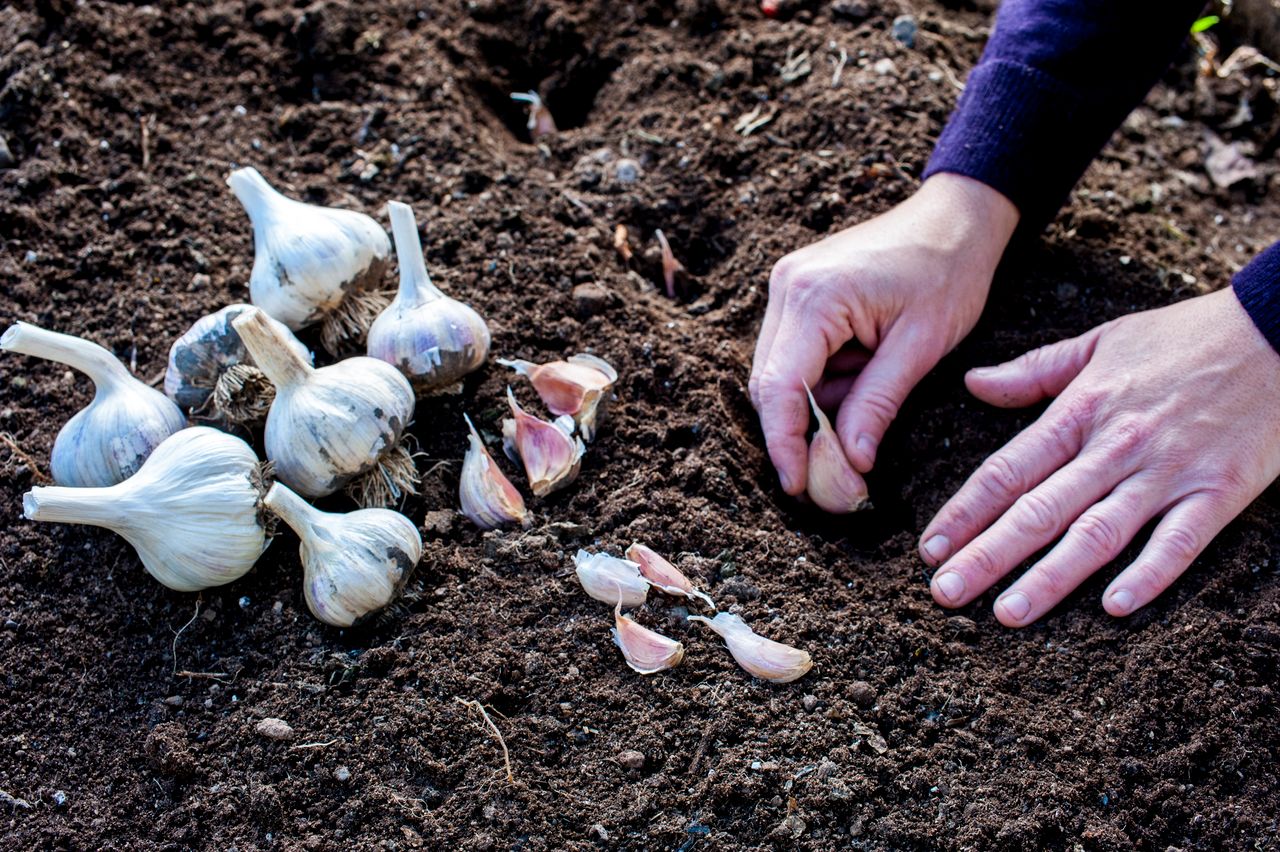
(670, 266)
(540, 121)
(1203, 24)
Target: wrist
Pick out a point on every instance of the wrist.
(966, 217)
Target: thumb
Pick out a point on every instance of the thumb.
(895, 368)
(1037, 374)
(795, 359)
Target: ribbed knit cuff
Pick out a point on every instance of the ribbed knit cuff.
(1257, 287)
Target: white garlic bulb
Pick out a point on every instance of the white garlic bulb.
(576, 387)
(433, 339)
(646, 651)
(353, 564)
(664, 576)
(191, 511)
(834, 486)
(764, 658)
(334, 426)
(610, 579)
(488, 498)
(211, 374)
(549, 452)
(107, 441)
(313, 264)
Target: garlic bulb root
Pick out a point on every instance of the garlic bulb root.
(349, 322)
(646, 651)
(394, 477)
(834, 486)
(549, 452)
(764, 658)
(577, 387)
(488, 498)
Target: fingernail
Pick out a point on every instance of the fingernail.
(937, 548)
(1016, 605)
(867, 446)
(1122, 601)
(981, 372)
(951, 584)
(785, 481)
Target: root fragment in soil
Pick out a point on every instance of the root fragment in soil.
(506, 755)
(16, 451)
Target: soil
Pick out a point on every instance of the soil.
(129, 714)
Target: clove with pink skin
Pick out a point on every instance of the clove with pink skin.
(540, 121)
(645, 650)
(834, 486)
(764, 658)
(576, 387)
(664, 576)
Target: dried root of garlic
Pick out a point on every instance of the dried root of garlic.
(834, 486)
(645, 650)
(764, 658)
(576, 387)
(610, 579)
(664, 576)
(488, 498)
(549, 452)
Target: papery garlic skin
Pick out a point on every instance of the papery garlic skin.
(191, 511)
(645, 650)
(327, 425)
(764, 658)
(354, 564)
(610, 579)
(309, 260)
(197, 378)
(488, 498)
(834, 486)
(108, 440)
(433, 339)
(549, 452)
(664, 576)
(576, 387)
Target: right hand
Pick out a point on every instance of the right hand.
(864, 314)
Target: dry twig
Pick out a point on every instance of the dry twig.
(506, 755)
(22, 455)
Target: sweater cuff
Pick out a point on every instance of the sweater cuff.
(1257, 287)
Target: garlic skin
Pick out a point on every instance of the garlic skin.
(312, 263)
(433, 339)
(191, 511)
(645, 650)
(488, 498)
(764, 658)
(576, 387)
(333, 426)
(834, 486)
(211, 373)
(353, 564)
(549, 452)
(610, 579)
(540, 121)
(108, 440)
(664, 576)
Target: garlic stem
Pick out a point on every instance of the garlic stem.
(97, 507)
(271, 349)
(255, 194)
(415, 282)
(89, 358)
(292, 509)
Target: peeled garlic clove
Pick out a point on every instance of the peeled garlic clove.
(610, 579)
(764, 658)
(576, 387)
(540, 121)
(312, 264)
(334, 426)
(488, 498)
(353, 564)
(191, 511)
(212, 375)
(662, 575)
(834, 486)
(645, 650)
(549, 452)
(433, 339)
(107, 441)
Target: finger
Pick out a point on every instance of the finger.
(848, 359)
(839, 375)
(796, 359)
(832, 390)
(1179, 538)
(895, 368)
(1096, 538)
(764, 343)
(1035, 375)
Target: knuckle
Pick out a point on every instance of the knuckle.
(781, 275)
(1128, 436)
(1180, 544)
(1001, 478)
(1226, 481)
(1084, 407)
(880, 403)
(980, 561)
(1154, 578)
(1038, 513)
(1098, 535)
(1055, 580)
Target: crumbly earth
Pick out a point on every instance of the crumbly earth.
(129, 714)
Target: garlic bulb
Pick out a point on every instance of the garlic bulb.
(764, 658)
(610, 579)
(549, 452)
(108, 440)
(191, 511)
(313, 264)
(576, 387)
(353, 564)
(211, 375)
(488, 498)
(433, 339)
(834, 486)
(664, 576)
(645, 650)
(334, 426)
(540, 121)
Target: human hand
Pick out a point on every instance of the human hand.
(1174, 411)
(864, 314)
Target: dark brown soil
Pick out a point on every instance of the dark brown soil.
(917, 728)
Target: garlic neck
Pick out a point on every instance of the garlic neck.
(80, 354)
(269, 346)
(300, 515)
(415, 284)
(99, 507)
(259, 198)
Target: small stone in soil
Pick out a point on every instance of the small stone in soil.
(631, 759)
(342, 774)
(850, 10)
(590, 299)
(600, 831)
(274, 729)
(904, 30)
(862, 693)
(810, 702)
(174, 701)
(438, 521)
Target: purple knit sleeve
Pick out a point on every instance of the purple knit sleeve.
(1258, 288)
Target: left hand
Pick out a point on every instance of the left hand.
(1172, 412)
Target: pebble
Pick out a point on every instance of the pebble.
(7, 160)
(342, 774)
(884, 67)
(850, 10)
(600, 831)
(631, 759)
(904, 30)
(174, 701)
(31, 257)
(810, 702)
(590, 299)
(626, 170)
(244, 602)
(862, 693)
(274, 729)
(59, 798)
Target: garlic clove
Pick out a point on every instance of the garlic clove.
(108, 440)
(834, 486)
(621, 243)
(488, 498)
(645, 650)
(540, 121)
(576, 387)
(354, 564)
(664, 576)
(191, 511)
(670, 266)
(764, 658)
(433, 339)
(610, 579)
(549, 452)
